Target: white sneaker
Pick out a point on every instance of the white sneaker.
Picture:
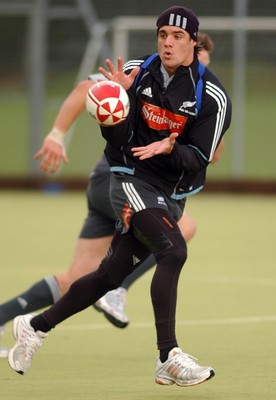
(181, 369)
(112, 304)
(3, 350)
(27, 343)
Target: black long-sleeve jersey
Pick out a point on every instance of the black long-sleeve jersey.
(156, 112)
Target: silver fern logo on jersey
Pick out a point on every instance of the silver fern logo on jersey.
(185, 105)
(161, 200)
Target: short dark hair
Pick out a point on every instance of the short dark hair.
(205, 42)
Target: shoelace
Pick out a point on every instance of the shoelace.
(186, 361)
(31, 345)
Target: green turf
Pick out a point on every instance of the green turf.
(226, 305)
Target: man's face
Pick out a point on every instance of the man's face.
(175, 47)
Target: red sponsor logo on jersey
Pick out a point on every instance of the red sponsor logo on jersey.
(126, 215)
(161, 119)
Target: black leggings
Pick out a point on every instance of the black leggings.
(152, 231)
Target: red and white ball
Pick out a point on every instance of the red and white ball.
(107, 102)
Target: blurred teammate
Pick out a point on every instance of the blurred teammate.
(98, 228)
(158, 158)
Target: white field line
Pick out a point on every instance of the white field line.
(237, 280)
(228, 280)
(139, 325)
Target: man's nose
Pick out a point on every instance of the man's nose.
(168, 41)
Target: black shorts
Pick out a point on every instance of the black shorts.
(101, 218)
(130, 195)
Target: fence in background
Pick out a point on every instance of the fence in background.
(244, 46)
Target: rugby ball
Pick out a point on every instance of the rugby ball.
(107, 103)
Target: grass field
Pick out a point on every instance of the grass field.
(226, 305)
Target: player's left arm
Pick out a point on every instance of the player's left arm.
(164, 146)
(189, 155)
(207, 131)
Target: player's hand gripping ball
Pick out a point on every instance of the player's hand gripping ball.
(107, 102)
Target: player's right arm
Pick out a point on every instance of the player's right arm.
(118, 75)
(53, 149)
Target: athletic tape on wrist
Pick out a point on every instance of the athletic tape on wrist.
(58, 137)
